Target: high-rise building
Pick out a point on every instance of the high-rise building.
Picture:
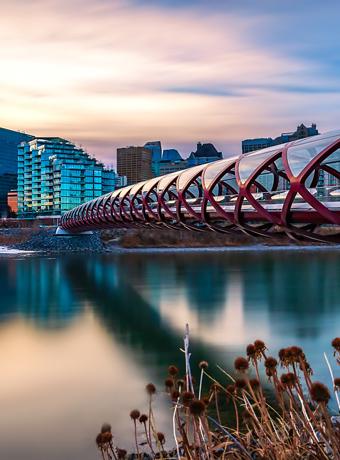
(205, 153)
(9, 141)
(134, 163)
(54, 176)
(155, 148)
(302, 131)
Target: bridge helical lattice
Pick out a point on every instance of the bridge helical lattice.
(292, 188)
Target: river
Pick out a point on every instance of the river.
(80, 336)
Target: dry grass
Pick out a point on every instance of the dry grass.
(297, 425)
(168, 238)
(163, 238)
(7, 240)
(16, 236)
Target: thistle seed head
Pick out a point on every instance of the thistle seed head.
(161, 437)
(173, 370)
(135, 414)
(337, 383)
(150, 389)
(260, 346)
(121, 453)
(320, 393)
(270, 363)
(187, 396)
(169, 383)
(106, 437)
(197, 407)
(143, 418)
(175, 395)
(203, 365)
(251, 351)
(241, 364)
(288, 380)
(99, 440)
(106, 427)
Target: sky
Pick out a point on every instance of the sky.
(110, 73)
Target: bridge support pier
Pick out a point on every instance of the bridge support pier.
(62, 232)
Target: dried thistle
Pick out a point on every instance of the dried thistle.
(288, 380)
(197, 407)
(173, 370)
(150, 389)
(241, 364)
(203, 365)
(320, 393)
(135, 414)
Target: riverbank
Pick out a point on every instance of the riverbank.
(28, 240)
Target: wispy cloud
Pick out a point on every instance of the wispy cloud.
(106, 73)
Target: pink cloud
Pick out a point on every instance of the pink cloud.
(105, 74)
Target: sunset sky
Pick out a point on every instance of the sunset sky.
(109, 73)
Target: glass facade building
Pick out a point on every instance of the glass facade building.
(54, 176)
(9, 141)
(155, 148)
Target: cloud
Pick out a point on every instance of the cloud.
(109, 73)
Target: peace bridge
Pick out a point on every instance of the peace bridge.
(292, 188)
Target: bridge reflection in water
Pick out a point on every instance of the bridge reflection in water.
(292, 188)
(80, 336)
(145, 301)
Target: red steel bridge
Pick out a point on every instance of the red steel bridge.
(292, 188)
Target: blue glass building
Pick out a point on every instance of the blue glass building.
(171, 155)
(155, 147)
(54, 176)
(9, 141)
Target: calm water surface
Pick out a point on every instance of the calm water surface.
(80, 336)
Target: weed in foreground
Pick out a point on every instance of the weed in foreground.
(234, 420)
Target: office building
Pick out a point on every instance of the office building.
(205, 153)
(54, 176)
(302, 131)
(135, 163)
(9, 141)
(155, 148)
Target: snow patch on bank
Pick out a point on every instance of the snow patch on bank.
(9, 251)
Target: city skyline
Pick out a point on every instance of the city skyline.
(109, 74)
